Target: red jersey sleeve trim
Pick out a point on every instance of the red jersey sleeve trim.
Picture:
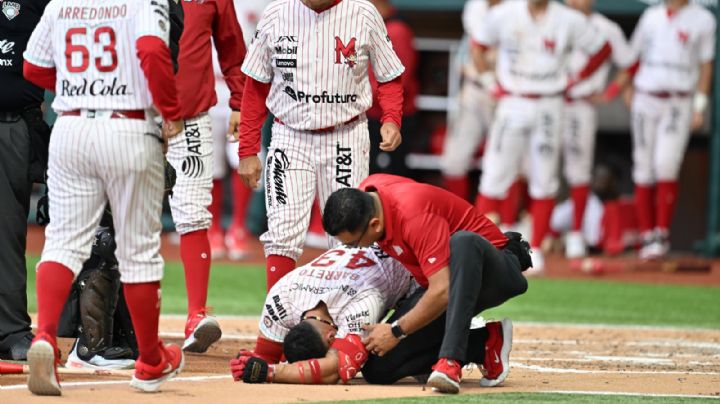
(254, 114)
(390, 98)
(44, 77)
(595, 61)
(155, 62)
(632, 70)
(482, 46)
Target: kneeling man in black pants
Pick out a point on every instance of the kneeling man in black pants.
(463, 261)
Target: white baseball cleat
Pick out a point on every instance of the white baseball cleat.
(575, 246)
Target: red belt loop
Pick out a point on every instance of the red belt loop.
(117, 114)
(327, 129)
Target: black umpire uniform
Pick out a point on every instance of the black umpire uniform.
(23, 154)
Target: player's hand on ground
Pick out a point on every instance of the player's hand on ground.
(380, 339)
(233, 132)
(698, 118)
(250, 170)
(238, 364)
(391, 137)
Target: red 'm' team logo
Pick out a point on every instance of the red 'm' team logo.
(346, 52)
(549, 45)
(683, 37)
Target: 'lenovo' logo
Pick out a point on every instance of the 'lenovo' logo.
(6, 46)
(292, 63)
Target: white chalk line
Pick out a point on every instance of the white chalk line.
(544, 369)
(111, 382)
(625, 393)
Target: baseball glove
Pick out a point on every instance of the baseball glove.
(170, 178)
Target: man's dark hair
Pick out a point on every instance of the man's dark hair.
(347, 209)
(303, 342)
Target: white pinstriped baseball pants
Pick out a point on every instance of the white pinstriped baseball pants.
(191, 154)
(301, 165)
(91, 162)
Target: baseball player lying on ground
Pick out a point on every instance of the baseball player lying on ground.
(316, 315)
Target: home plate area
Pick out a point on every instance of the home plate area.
(568, 358)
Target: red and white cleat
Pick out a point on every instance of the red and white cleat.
(201, 331)
(149, 378)
(236, 242)
(43, 360)
(446, 376)
(497, 353)
(217, 243)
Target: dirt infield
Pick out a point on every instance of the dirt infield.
(544, 358)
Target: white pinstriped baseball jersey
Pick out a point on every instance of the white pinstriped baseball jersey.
(317, 62)
(671, 48)
(473, 15)
(92, 46)
(622, 56)
(358, 285)
(533, 54)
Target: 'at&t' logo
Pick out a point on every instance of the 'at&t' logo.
(346, 51)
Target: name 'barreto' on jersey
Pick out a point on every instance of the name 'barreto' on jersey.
(317, 62)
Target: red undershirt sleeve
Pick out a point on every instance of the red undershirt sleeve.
(231, 51)
(390, 98)
(44, 77)
(155, 62)
(254, 114)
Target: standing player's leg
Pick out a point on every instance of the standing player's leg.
(464, 135)
(236, 237)
(191, 154)
(78, 201)
(579, 148)
(290, 180)
(219, 115)
(645, 114)
(504, 152)
(134, 185)
(342, 160)
(670, 146)
(543, 176)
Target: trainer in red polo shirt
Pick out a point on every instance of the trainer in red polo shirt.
(465, 263)
(419, 221)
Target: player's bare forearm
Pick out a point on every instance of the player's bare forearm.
(705, 78)
(479, 58)
(290, 373)
(431, 305)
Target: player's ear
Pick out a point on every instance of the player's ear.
(375, 225)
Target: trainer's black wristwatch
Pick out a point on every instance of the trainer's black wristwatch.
(397, 331)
